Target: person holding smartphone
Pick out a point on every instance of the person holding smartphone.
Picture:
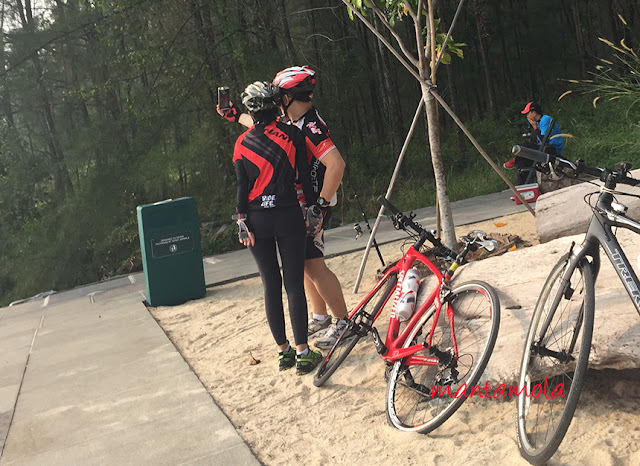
(267, 158)
(322, 287)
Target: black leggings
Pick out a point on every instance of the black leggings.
(285, 228)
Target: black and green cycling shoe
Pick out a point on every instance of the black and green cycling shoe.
(305, 363)
(286, 359)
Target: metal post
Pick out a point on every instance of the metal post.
(389, 191)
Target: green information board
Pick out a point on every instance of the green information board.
(171, 251)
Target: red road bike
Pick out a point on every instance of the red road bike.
(443, 347)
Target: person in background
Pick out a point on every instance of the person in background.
(540, 124)
(322, 287)
(267, 159)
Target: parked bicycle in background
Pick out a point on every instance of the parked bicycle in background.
(559, 338)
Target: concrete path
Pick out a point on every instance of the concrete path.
(99, 382)
(88, 377)
(229, 267)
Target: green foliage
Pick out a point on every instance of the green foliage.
(397, 10)
(617, 76)
(604, 135)
(129, 87)
(453, 47)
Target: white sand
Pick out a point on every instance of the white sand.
(285, 419)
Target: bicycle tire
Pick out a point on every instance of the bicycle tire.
(571, 314)
(348, 339)
(476, 311)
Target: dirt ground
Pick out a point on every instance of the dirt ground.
(285, 419)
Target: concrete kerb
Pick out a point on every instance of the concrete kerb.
(465, 212)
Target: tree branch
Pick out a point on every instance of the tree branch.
(383, 40)
(410, 10)
(455, 118)
(418, 29)
(446, 39)
(432, 40)
(383, 18)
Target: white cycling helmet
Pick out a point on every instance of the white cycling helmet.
(260, 95)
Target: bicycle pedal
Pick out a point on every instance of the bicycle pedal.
(377, 342)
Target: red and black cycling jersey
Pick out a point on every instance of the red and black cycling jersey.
(268, 159)
(318, 143)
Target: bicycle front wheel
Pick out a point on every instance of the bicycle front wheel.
(359, 325)
(421, 397)
(555, 359)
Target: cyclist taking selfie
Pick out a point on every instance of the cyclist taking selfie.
(267, 158)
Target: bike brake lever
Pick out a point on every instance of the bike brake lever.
(394, 221)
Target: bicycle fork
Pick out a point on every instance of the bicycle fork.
(564, 292)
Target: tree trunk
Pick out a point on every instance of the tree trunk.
(5, 97)
(62, 180)
(508, 82)
(481, 29)
(460, 139)
(617, 27)
(576, 28)
(371, 83)
(314, 31)
(390, 95)
(207, 42)
(446, 216)
(444, 206)
(286, 35)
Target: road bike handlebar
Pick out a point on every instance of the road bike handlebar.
(402, 221)
(473, 241)
(619, 173)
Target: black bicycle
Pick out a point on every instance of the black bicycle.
(556, 351)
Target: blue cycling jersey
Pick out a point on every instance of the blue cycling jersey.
(543, 126)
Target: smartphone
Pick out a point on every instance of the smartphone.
(223, 98)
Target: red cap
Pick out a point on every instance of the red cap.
(532, 106)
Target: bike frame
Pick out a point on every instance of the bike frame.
(599, 234)
(395, 339)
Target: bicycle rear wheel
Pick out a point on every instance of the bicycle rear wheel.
(420, 397)
(359, 325)
(555, 358)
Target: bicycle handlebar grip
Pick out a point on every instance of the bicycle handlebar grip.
(388, 205)
(582, 168)
(630, 181)
(532, 154)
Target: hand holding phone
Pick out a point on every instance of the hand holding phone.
(223, 98)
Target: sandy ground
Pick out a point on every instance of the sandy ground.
(285, 419)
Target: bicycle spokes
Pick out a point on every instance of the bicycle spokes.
(420, 389)
(423, 387)
(555, 359)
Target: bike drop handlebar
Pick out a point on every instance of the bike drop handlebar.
(619, 174)
(403, 221)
